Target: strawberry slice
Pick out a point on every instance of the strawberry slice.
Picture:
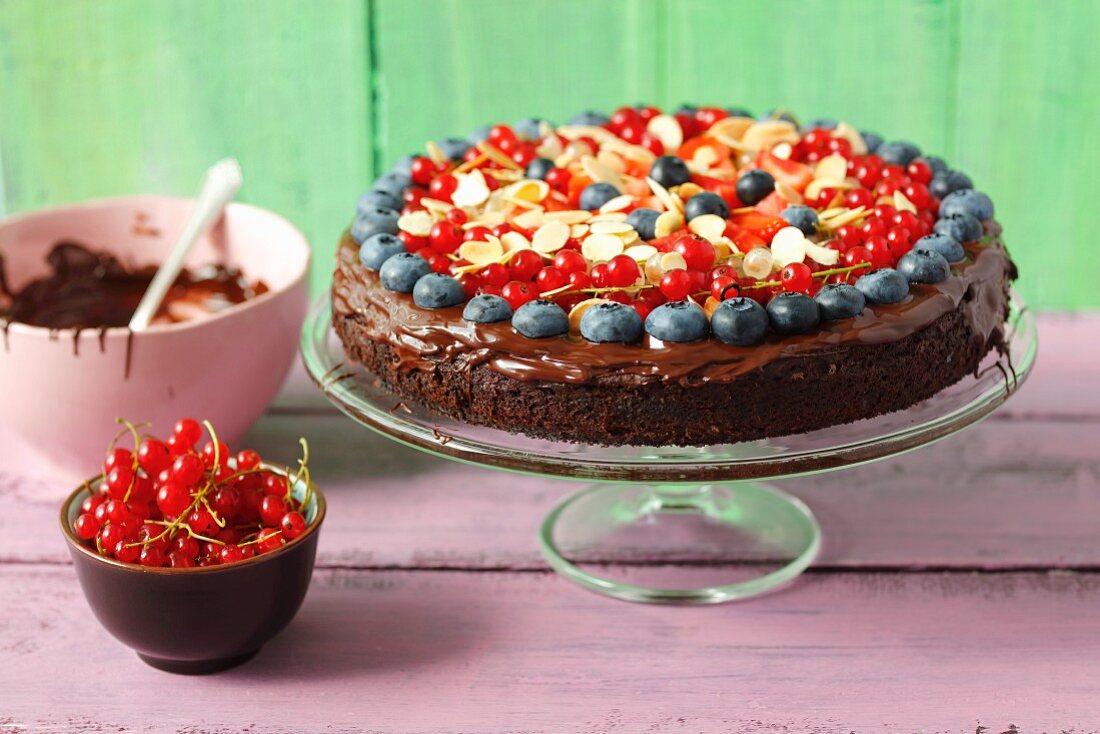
(762, 225)
(726, 189)
(794, 174)
(772, 204)
(742, 238)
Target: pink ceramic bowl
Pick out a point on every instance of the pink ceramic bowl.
(60, 392)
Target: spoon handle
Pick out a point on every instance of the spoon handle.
(219, 186)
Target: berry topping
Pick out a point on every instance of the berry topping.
(961, 227)
(611, 322)
(590, 118)
(947, 246)
(706, 202)
(793, 313)
(401, 271)
(802, 217)
(374, 221)
(596, 195)
(967, 201)
(487, 309)
(739, 321)
(538, 168)
(839, 301)
(394, 183)
(378, 200)
(924, 266)
(669, 171)
(898, 152)
(454, 148)
(884, 286)
(944, 183)
(754, 185)
(378, 248)
(644, 222)
(873, 141)
(540, 320)
(678, 321)
(436, 290)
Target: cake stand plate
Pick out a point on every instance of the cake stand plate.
(674, 523)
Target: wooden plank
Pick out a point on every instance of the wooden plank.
(486, 652)
(881, 65)
(1005, 494)
(498, 61)
(1027, 114)
(107, 98)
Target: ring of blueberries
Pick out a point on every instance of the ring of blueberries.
(866, 218)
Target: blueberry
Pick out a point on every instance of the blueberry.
(873, 140)
(944, 244)
(937, 164)
(738, 112)
(840, 301)
(705, 203)
(393, 183)
(967, 201)
(793, 313)
(540, 319)
(779, 114)
(685, 109)
(401, 271)
(454, 148)
(479, 135)
(921, 265)
(677, 321)
(590, 118)
(528, 129)
(378, 200)
(595, 195)
(538, 168)
(960, 227)
(754, 185)
(373, 221)
(644, 222)
(436, 290)
(739, 321)
(487, 309)
(822, 123)
(944, 183)
(378, 248)
(669, 171)
(883, 286)
(898, 152)
(802, 217)
(404, 165)
(611, 322)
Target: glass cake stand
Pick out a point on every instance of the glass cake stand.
(667, 523)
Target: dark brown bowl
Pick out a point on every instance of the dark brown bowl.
(195, 620)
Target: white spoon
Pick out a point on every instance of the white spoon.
(219, 186)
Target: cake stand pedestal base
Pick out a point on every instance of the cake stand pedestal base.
(683, 544)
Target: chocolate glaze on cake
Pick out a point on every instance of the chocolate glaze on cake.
(888, 358)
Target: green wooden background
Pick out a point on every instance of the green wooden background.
(114, 96)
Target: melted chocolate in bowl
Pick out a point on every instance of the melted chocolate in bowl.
(87, 289)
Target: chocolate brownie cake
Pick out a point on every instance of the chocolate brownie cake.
(684, 278)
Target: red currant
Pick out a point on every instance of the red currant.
(152, 556)
(293, 525)
(696, 251)
(442, 187)
(558, 179)
(550, 278)
(518, 293)
(187, 469)
(153, 456)
(919, 172)
(85, 526)
(570, 261)
(676, 285)
(215, 454)
(881, 257)
(796, 277)
(622, 271)
(173, 498)
(422, 170)
(445, 237)
(525, 265)
(188, 432)
(126, 552)
(272, 509)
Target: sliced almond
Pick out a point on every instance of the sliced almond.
(815, 186)
(640, 253)
(833, 166)
(731, 127)
(765, 134)
(436, 153)
(550, 237)
(666, 129)
(617, 204)
(530, 219)
(600, 248)
(578, 231)
(708, 226)
(788, 193)
(577, 312)
(849, 133)
(705, 157)
(527, 190)
(822, 255)
(783, 151)
(686, 190)
(599, 172)
(436, 206)
(710, 305)
(550, 148)
(615, 228)
(479, 252)
(672, 261)
(595, 132)
(665, 196)
(568, 216)
(612, 160)
(418, 223)
(514, 241)
(609, 217)
(845, 216)
(902, 203)
(788, 246)
(667, 223)
(471, 189)
(495, 154)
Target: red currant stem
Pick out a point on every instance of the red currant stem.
(838, 271)
(762, 284)
(219, 521)
(303, 471)
(134, 463)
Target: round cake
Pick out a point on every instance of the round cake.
(687, 278)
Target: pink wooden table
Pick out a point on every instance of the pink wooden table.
(959, 591)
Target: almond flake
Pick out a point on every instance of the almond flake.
(849, 133)
(612, 160)
(550, 237)
(514, 241)
(818, 184)
(550, 148)
(470, 164)
(530, 219)
(708, 226)
(572, 132)
(599, 172)
(664, 196)
(667, 223)
(609, 217)
(730, 127)
(577, 312)
(844, 216)
(527, 190)
(617, 204)
(902, 203)
(672, 261)
(577, 231)
(833, 166)
(822, 255)
(601, 247)
(724, 248)
(616, 228)
(710, 306)
(568, 216)
(666, 129)
(629, 238)
(686, 190)
(788, 246)
(435, 205)
(418, 223)
(640, 253)
(826, 213)
(783, 151)
(479, 252)
(471, 189)
(705, 157)
(436, 153)
(788, 193)
(496, 155)
(765, 134)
